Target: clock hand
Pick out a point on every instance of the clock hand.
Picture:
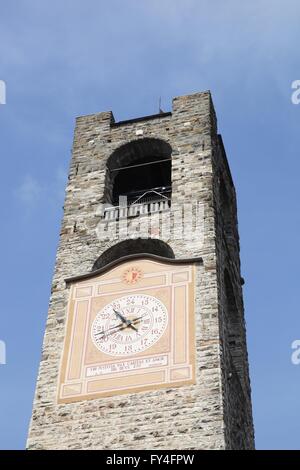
(124, 320)
(112, 328)
(138, 318)
(132, 326)
(120, 326)
(118, 314)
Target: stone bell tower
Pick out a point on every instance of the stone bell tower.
(145, 342)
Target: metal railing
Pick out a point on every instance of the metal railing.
(149, 202)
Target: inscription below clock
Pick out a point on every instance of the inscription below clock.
(129, 325)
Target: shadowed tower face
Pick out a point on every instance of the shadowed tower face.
(145, 343)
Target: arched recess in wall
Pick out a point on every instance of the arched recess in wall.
(140, 168)
(235, 328)
(134, 246)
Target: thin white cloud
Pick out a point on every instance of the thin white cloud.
(29, 192)
(32, 191)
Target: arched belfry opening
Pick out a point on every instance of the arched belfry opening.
(134, 246)
(140, 171)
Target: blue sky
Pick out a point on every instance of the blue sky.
(64, 59)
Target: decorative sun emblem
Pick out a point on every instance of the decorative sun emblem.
(132, 275)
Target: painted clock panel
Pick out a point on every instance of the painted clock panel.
(129, 329)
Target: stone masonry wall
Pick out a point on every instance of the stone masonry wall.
(192, 417)
(239, 432)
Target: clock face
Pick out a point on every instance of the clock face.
(129, 325)
(129, 328)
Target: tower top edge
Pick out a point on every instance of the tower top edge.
(109, 114)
